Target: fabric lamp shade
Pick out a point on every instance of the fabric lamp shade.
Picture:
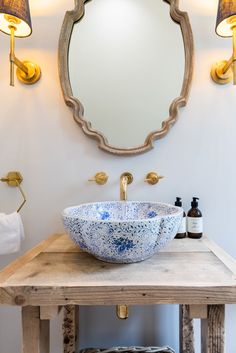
(225, 15)
(17, 13)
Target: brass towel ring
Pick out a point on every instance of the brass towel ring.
(15, 179)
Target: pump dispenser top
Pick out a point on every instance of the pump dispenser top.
(182, 229)
(178, 202)
(194, 203)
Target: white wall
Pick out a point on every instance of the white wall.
(39, 137)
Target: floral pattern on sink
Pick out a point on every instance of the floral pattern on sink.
(122, 231)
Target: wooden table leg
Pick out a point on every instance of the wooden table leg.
(70, 327)
(45, 336)
(186, 330)
(35, 331)
(212, 330)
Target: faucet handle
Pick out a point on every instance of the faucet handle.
(153, 178)
(100, 178)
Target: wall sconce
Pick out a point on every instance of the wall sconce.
(15, 20)
(224, 71)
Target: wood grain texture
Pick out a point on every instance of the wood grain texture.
(228, 261)
(48, 312)
(35, 332)
(213, 330)
(61, 275)
(70, 328)
(181, 19)
(27, 257)
(198, 312)
(142, 295)
(163, 269)
(186, 330)
(64, 244)
(55, 273)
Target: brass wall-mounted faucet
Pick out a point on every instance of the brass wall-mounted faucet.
(125, 179)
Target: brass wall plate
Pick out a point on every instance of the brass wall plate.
(14, 178)
(218, 76)
(100, 178)
(33, 75)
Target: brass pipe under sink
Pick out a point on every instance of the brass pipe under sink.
(122, 311)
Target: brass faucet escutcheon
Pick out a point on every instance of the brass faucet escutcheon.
(100, 178)
(153, 178)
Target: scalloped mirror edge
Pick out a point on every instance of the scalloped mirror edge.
(71, 17)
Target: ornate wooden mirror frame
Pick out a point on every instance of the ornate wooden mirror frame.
(71, 17)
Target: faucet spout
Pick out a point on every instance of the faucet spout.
(123, 188)
(125, 179)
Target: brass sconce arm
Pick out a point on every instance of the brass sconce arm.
(234, 54)
(16, 22)
(225, 70)
(27, 72)
(227, 65)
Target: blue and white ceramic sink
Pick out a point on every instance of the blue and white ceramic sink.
(122, 231)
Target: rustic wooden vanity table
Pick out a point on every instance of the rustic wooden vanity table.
(197, 274)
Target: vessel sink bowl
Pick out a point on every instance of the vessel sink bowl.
(122, 231)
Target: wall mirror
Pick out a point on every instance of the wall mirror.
(125, 68)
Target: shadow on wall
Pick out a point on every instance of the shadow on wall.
(146, 326)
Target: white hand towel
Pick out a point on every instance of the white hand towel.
(11, 233)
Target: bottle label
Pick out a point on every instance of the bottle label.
(182, 227)
(195, 224)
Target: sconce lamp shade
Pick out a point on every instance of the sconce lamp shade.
(226, 14)
(16, 13)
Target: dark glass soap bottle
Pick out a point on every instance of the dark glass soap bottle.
(182, 228)
(194, 220)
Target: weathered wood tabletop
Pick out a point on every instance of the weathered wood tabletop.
(56, 272)
(197, 274)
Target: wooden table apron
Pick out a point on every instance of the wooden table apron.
(197, 274)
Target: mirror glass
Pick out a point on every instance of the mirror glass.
(126, 66)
